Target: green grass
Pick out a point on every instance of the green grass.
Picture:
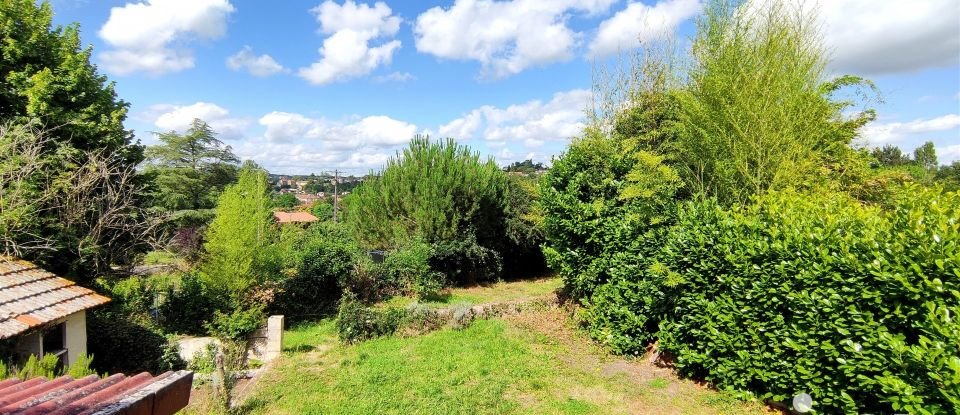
(491, 367)
(503, 291)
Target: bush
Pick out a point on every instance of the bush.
(321, 261)
(82, 367)
(803, 293)
(357, 322)
(409, 270)
(466, 262)
(187, 307)
(45, 366)
(236, 325)
(124, 346)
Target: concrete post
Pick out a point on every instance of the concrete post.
(274, 337)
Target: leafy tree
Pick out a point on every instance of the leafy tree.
(435, 191)
(286, 201)
(758, 110)
(47, 78)
(190, 169)
(949, 176)
(526, 166)
(239, 251)
(322, 210)
(890, 155)
(926, 156)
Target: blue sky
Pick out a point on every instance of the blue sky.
(508, 78)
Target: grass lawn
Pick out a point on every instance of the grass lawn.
(498, 292)
(528, 364)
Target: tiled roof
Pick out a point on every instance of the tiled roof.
(118, 394)
(291, 217)
(31, 297)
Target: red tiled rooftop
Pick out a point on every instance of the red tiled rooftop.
(30, 297)
(294, 217)
(118, 394)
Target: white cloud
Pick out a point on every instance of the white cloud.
(180, 117)
(395, 77)
(532, 123)
(639, 23)
(506, 37)
(263, 65)
(375, 131)
(347, 52)
(948, 154)
(878, 134)
(149, 36)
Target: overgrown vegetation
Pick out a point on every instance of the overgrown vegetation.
(721, 211)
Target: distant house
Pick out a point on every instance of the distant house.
(294, 217)
(308, 199)
(42, 312)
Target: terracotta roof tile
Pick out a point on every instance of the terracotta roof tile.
(118, 394)
(294, 217)
(30, 297)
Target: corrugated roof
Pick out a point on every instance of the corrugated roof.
(31, 297)
(293, 217)
(118, 394)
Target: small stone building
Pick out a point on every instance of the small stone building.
(42, 313)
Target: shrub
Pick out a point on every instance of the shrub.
(125, 346)
(237, 324)
(803, 293)
(320, 263)
(409, 270)
(187, 307)
(45, 366)
(357, 322)
(464, 261)
(82, 367)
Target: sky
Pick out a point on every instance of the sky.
(308, 86)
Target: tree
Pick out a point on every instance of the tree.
(286, 201)
(98, 199)
(190, 169)
(46, 78)
(926, 156)
(890, 155)
(757, 107)
(322, 210)
(949, 176)
(239, 252)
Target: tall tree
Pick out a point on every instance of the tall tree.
(240, 237)
(47, 80)
(926, 156)
(890, 155)
(190, 169)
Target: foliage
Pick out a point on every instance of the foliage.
(949, 176)
(758, 114)
(187, 306)
(285, 201)
(322, 210)
(434, 191)
(238, 246)
(357, 322)
(124, 345)
(45, 366)
(926, 156)
(320, 263)
(48, 79)
(236, 325)
(409, 270)
(526, 166)
(190, 169)
(441, 193)
(82, 367)
(890, 155)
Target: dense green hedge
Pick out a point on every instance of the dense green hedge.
(818, 293)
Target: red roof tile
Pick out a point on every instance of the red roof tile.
(118, 394)
(294, 217)
(30, 297)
